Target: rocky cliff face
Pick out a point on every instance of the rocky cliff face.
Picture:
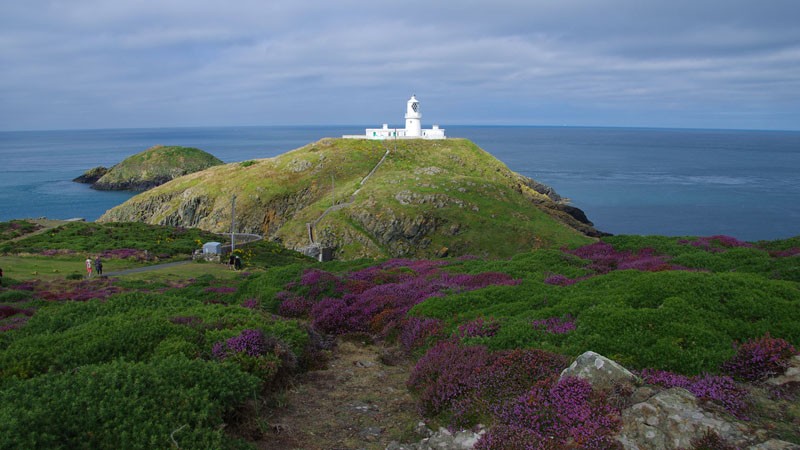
(428, 198)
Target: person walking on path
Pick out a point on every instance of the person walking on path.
(98, 266)
(88, 267)
(1, 276)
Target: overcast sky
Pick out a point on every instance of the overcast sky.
(162, 63)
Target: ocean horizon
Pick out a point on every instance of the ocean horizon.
(675, 182)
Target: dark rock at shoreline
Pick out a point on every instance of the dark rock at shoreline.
(131, 185)
(92, 175)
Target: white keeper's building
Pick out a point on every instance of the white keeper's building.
(413, 129)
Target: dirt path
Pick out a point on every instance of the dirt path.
(357, 402)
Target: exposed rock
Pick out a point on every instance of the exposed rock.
(401, 234)
(775, 444)
(442, 440)
(92, 175)
(576, 213)
(428, 170)
(668, 419)
(598, 370)
(299, 165)
(437, 200)
(671, 419)
(542, 189)
(792, 374)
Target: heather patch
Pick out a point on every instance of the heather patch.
(250, 303)
(8, 311)
(604, 259)
(555, 415)
(416, 331)
(716, 243)
(375, 299)
(478, 328)
(760, 358)
(555, 325)
(785, 253)
(13, 323)
(446, 374)
(16, 228)
(517, 391)
(249, 349)
(557, 279)
(69, 290)
(722, 390)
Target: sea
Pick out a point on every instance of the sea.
(675, 182)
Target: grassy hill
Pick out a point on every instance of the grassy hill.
(155, 166)
(428, 198)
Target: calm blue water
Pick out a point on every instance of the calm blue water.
(629, 181)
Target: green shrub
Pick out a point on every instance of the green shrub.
(99, 340)
(122, 404)
(133, 326)
(263, 287)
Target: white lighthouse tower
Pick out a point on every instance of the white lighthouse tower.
(413, 118)
(413, 129)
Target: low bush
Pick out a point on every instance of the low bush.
(760, 358)
(447, 374)
(555, 415)
(122, 404)
(132, 326)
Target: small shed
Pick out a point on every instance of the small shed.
(212, 248)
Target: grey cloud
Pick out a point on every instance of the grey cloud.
(579, 60)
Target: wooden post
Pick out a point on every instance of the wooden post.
(233, 223)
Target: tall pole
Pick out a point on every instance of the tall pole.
(233, 223)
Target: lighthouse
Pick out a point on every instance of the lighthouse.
(413, 129)
(413, 118)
